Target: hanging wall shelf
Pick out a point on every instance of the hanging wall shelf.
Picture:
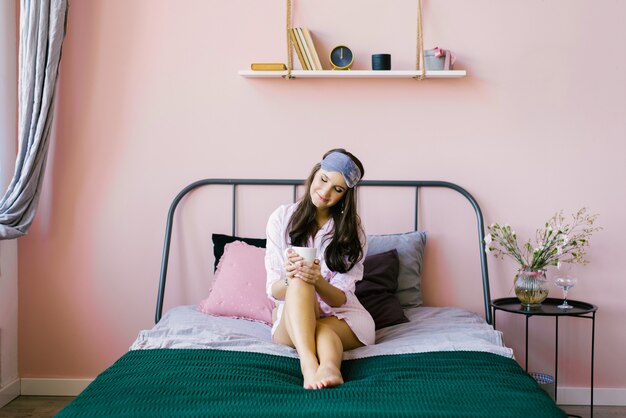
(418, 73)
(352, 74)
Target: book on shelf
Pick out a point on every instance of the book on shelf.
(305, 49)
(309, 41)
(297, 45)
(268, 66)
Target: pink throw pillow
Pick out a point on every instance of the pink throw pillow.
(238, 289)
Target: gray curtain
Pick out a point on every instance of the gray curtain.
(42, 29)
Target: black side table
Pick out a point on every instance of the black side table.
(549, 308)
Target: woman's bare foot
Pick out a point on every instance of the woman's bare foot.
(309, 372)
(327, 377)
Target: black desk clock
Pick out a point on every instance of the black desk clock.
(341, 58)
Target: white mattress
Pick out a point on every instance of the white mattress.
(429, 329)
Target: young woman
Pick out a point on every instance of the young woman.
(317, 312)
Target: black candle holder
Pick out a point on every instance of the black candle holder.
(381, 62)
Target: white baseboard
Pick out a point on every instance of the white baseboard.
(9, 392)
(601, 396)
(72, 387)
(54, 387)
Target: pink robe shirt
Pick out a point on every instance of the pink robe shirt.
(355, 315)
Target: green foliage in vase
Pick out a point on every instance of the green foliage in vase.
(557, 242)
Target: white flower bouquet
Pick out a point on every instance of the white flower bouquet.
(557, 242)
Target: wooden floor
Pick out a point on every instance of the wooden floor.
(598, 411)
(48, 406)
(34, 406)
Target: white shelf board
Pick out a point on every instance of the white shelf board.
(353, 74)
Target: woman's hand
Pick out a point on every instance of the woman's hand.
(310, 273)
(290, 265)
(307, 271)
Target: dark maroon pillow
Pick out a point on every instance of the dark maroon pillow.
(376, 291)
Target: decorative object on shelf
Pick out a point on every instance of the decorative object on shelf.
(310, 45)
(435, 59)
(556, 243)
(341, 57)
(438, 59)
(531, 287)
(268, 66)
(305, 48)
(298, 46)
(381, 62)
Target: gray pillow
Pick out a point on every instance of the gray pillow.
(410, 247)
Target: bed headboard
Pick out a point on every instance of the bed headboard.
(412, 184)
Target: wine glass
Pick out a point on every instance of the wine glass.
(565, 283)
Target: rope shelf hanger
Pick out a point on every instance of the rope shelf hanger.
(419, 56)
(290, 45)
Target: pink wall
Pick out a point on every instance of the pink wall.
(150, 100)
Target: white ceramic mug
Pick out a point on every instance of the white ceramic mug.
(307, 253)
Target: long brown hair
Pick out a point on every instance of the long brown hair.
(345, 248)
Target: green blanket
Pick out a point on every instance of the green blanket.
(214, 383)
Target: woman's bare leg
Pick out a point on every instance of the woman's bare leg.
(333, 337)
(330, 353)
(320, 342)
(298, 327)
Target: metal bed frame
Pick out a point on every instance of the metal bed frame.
(416, 184)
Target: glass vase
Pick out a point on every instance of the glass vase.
(531, 287)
